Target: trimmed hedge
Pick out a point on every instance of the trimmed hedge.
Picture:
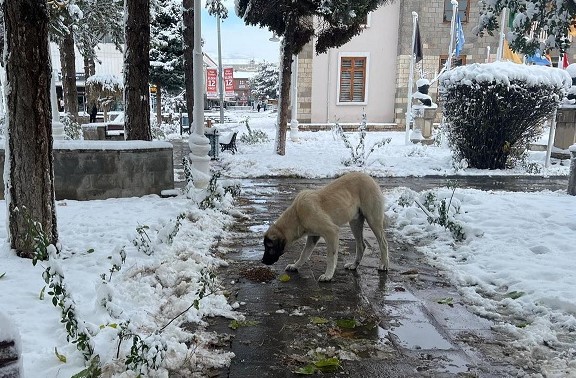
(496, 108)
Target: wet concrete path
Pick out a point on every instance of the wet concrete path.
(408, 323)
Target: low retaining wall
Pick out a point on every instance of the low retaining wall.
(10, 349)
(87, 170)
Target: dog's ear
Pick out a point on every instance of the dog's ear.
(268, 243)
(280, 244)
(275, 245)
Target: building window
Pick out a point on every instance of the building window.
(463, 10)
(456, 62)
(352, 86)
(365, 21)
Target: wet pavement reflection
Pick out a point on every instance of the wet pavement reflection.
(397, 326)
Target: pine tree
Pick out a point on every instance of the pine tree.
(29, 175)
(166, 50)
(265, 84)
(137, 70)
(101, 19)
(63, 19)
(530, 18)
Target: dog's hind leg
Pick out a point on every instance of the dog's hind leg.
(357, 227)
(311, 242)
(377, 226)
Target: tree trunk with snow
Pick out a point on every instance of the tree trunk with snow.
(188, 33)
(29, 167)
(68, 63)
(89, 70)
(284, 98)
(136, 70)
(158, 104)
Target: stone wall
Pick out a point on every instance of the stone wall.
(88, 170)
(435, 35)
(565, 134)
(305, 84)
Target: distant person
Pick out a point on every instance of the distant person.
(258, 107)
(265, 105)
(93, 113)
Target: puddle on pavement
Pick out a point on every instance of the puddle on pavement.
(416, 333)
(259, 228)
(250, 254)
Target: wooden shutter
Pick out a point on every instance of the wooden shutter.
(352, 79)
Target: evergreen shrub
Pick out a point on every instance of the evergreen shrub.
(494, 110)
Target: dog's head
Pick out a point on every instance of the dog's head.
(274, 243)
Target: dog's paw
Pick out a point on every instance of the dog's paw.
(383, 268)
(351, 266)
(325, 278)
(291, 268)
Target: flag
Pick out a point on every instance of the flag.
(459, 36)
(418, 44)
(565, 62)
(538, 59)
(510, 55)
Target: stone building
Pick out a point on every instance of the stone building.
(386, 44)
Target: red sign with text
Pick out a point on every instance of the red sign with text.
(229, 81)
(211, 82)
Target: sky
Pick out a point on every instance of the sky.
(238, 40)
(516, 266)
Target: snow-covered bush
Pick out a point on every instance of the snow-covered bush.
(358, 154)
(72, 128)
(494, 110)
(253, 136)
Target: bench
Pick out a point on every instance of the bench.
(229, 145)
(115, 131)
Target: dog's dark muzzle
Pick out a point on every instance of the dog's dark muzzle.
(270, 258)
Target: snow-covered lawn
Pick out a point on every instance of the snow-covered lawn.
(516, 266)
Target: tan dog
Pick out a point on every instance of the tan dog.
(351, 199)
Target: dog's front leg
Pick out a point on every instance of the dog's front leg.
(331, 258)
(311, 242)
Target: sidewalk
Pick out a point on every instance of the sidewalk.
(408, 323)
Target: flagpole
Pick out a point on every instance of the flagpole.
(551, 137)
(452, 24)
(501, 40)
(410, 79)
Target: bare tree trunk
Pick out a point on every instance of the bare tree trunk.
(188, 33)
(136, 70)
(158, 104)
(29, 167)
(89, 70)
(68, 63)
(284, 98)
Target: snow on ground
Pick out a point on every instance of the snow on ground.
(515, 266)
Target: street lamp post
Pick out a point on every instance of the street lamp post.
(198, 142)
(294, 100)
(220, 71)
